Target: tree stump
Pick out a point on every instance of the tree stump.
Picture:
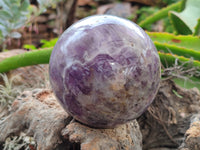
(38, 114)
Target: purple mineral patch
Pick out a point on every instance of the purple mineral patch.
(105, 71)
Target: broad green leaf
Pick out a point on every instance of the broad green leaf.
(15, 11)
(188, 82)
(189, 42)
(178, 24)
(5, 15)
(186, 22)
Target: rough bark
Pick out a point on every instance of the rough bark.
(192, 135)
(38, 114)
(124, 137)
(170, 123)
(164, 124)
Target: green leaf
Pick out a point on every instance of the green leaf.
(48, 44)
(24, 5)
(177, 94)
(186, 22)
(197, 28)
(15, 12)
(187, 46)
(169, 60)
(3, 30)
(4, 15)
(3, 22)
(188, 82)
(9, 3)
(161, 14)
(189, 42)
(178, 24)
(4, 5)
(18, 25)
(144, 13)
(31, 47)
(180, 51)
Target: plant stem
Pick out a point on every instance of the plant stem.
(26, 59)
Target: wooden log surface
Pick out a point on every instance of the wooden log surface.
(165, 124)
(38, 114)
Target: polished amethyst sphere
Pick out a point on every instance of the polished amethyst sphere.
(105, 71)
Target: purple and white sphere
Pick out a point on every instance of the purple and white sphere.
(105, 71)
